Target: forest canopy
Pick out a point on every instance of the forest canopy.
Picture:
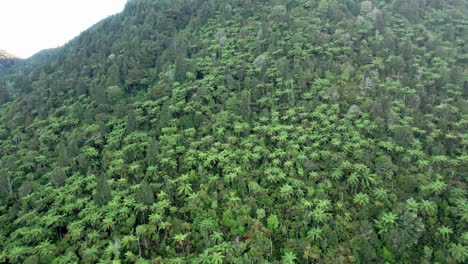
(242, 131)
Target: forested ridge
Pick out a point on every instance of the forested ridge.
(242, 131)
(7, 60)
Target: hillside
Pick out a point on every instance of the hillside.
(242, 131)
(7, 60)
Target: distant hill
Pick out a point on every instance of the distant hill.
(7, 59)
(7, 56)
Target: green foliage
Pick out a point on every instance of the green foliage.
(241, 132)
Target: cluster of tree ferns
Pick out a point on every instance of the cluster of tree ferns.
(242, 131)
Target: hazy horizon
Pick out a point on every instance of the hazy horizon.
(27, 27)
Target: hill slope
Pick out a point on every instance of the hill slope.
(241, 132)
(7, 60)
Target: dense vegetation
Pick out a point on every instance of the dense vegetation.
(242, 131)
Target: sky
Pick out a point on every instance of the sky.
(29, 26)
